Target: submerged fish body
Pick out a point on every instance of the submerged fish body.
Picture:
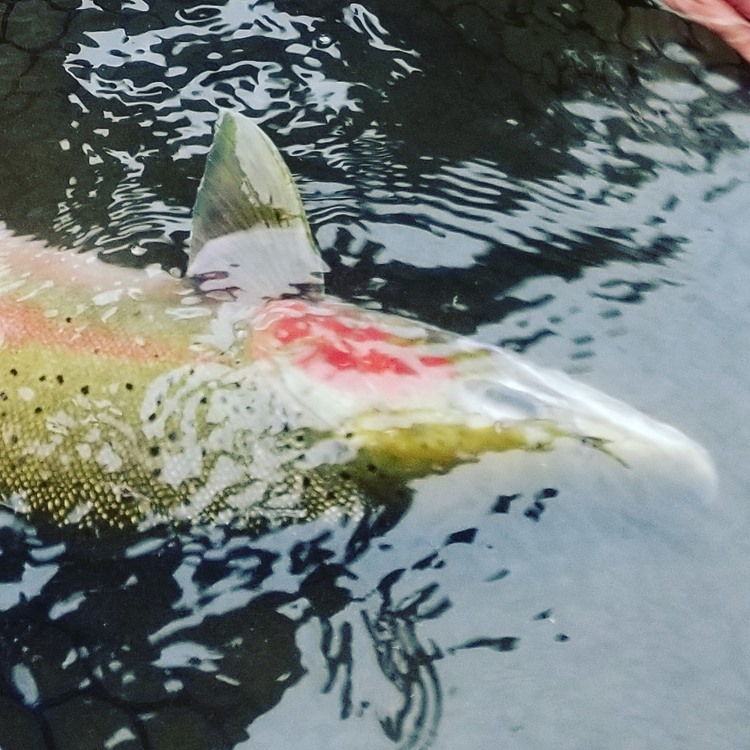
(242, 393)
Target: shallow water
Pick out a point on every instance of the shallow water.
(567, 180)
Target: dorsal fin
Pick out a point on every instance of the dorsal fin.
(250, 235)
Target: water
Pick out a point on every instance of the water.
(567, 180)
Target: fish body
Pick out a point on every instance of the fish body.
(242, 393)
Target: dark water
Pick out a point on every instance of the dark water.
(565, 179)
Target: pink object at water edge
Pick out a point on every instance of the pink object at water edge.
(730, 19)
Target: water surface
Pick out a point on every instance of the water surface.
(566, 180)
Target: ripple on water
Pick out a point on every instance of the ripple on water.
(530, 175)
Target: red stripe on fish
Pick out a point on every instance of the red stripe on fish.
(328, 339)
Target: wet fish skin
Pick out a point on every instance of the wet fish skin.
(102, 427)
(243, 394)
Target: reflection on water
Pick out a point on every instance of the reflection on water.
(186, 640)
(531, 171)
(183, 641)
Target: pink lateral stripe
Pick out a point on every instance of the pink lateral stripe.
(328, 342)
(21, 325)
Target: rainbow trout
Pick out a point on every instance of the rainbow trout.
(242, 393)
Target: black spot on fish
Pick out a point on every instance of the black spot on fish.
(561, 637)
(85, 390)
(60, 379)
(3, 396)
(38, 410)
(154, 450)
(152, 417)
(42, 378)
(128, 386)
(68, 319)
(172, 436)
(13, 371)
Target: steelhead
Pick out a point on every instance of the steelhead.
(241, 393)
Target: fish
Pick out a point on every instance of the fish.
(730, 19)
(241, 393)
